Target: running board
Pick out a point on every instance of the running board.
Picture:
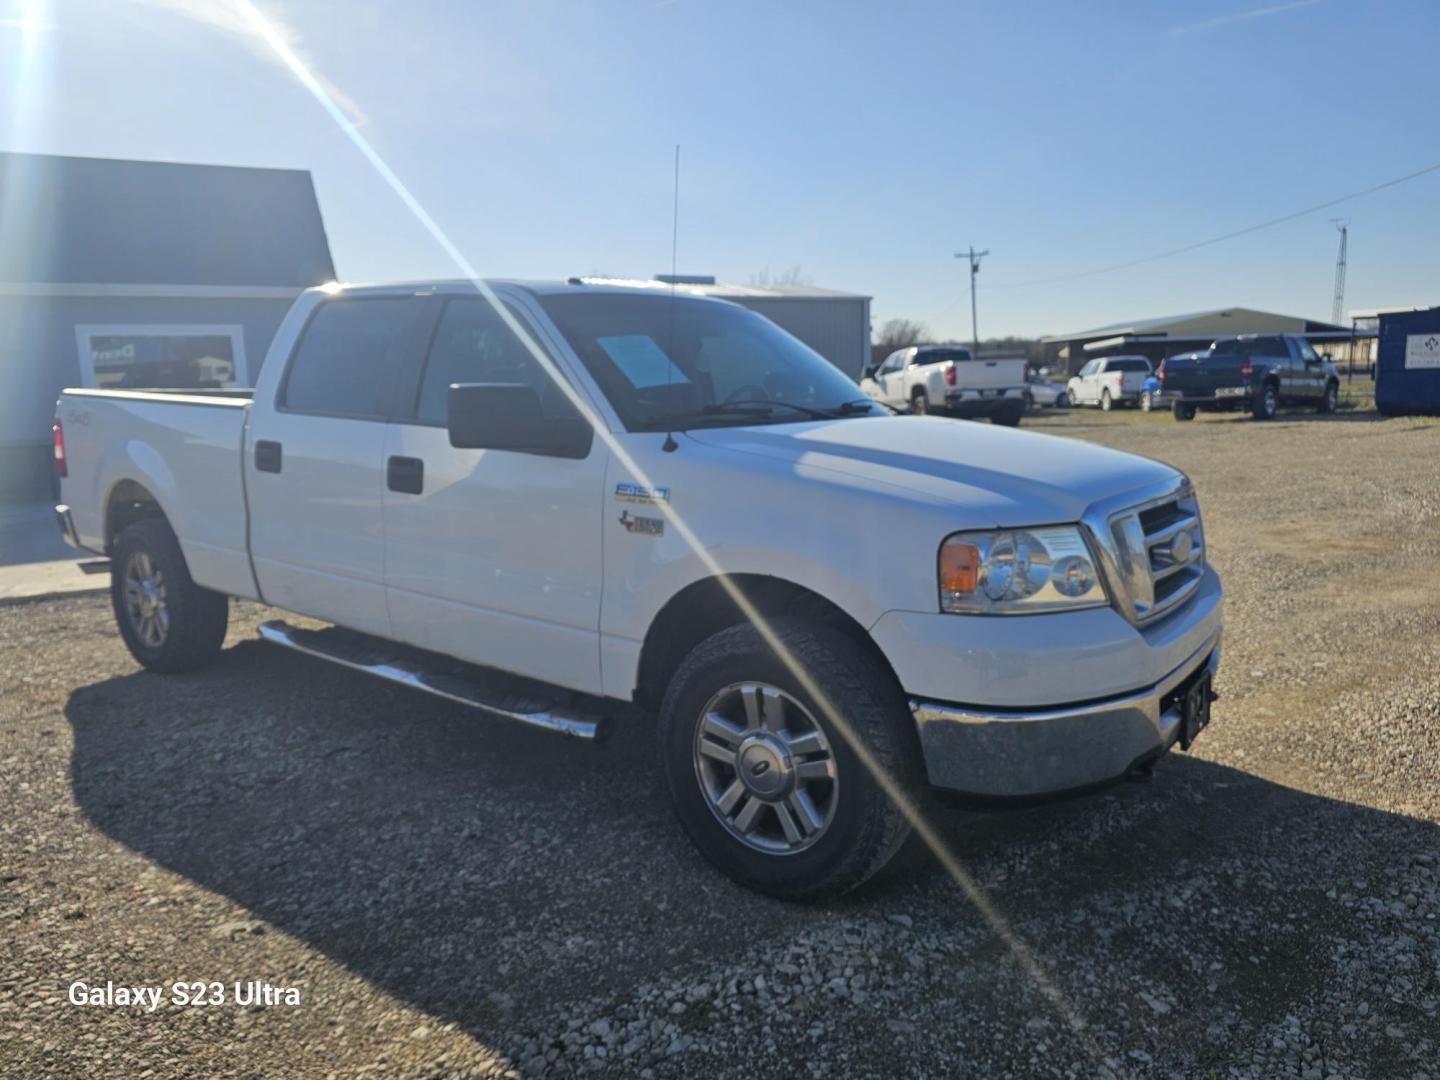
(489, 691)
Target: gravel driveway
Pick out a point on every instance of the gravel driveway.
(455, 897)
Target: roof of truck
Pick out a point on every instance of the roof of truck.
(539, 288)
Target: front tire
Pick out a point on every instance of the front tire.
(764, 782)
(168, 622)
(1330, 401)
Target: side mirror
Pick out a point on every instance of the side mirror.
(507, 416)
(869, 372)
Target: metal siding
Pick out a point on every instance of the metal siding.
(92, 220)
(39, 358)
(1399, 389)
(835, 327)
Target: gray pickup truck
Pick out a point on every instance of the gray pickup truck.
(1256, 372)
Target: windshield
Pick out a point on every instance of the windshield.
(664, 361)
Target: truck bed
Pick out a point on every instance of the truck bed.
(183, 447)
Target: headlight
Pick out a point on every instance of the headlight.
(1019, 572)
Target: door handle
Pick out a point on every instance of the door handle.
(267, 456)
(405, 474)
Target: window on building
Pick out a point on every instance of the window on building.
(186, 357)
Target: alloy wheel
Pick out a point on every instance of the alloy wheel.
(144, 588)
(766, 768)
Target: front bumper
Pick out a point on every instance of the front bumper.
(1017, 754)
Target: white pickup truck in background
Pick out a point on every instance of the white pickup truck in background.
(580, 500)
(947, 379)
(1110, 381)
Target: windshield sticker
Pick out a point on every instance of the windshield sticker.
(641, 361)
(639, 493)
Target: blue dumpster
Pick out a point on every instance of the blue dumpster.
(1407, 375)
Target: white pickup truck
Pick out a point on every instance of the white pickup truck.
(577, 502)
(947, 379)
(1110, 381)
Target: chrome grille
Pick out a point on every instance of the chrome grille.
(1159, 550)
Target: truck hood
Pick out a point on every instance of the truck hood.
(1002, 477)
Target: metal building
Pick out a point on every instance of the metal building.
(835, 324)
(139, 273)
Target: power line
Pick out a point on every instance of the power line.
(1218, 239)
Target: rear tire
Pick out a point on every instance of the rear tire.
(860, 827)
(920, 403)
(1105, 403)
(1008, 416)
(1181, 411)
(168, 622)
(1267, 404)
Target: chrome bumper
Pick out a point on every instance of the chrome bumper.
(1013, 754)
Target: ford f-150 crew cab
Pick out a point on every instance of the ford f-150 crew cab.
(578, 502)
(947, 379)
(1255, 372)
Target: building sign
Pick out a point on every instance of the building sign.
(1423, 350)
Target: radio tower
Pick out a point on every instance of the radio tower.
(1338, 308)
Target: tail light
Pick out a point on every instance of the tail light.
(1247, 369)
(950, 375)
(60, 450)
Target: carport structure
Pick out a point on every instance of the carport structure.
(1165, 336)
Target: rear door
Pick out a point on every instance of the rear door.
(491, 556)
(314, 464)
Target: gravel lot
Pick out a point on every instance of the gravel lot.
(455, 897)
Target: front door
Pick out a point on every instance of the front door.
(491, 556)
(314, 466)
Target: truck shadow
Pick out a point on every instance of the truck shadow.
(486, 873)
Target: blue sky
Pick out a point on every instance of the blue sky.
(865, 142)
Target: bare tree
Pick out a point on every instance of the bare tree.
(896, 334)
(793, 276)
(900, 333)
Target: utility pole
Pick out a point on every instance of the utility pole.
(974, 257)
(1338, 308)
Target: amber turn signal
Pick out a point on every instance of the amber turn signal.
(959, 567)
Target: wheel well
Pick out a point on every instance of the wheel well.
(917, 391)
(129, 502)
(706, 607)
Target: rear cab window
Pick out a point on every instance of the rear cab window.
(344, 362)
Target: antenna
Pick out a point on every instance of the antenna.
(1338, 307)
(670, 445)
